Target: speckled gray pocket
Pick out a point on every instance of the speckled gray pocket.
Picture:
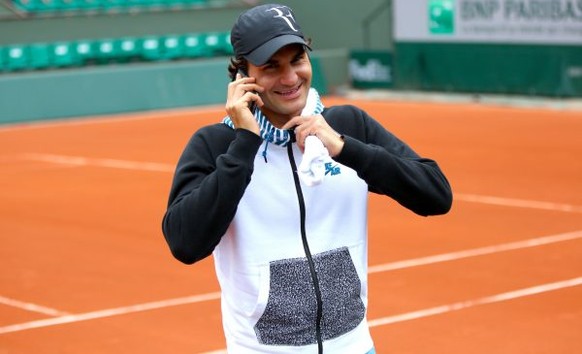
(290, 314)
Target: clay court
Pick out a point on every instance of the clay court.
(85, 268)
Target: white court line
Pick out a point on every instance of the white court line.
(31, 307)
(215, 296)
(476, 302)
(109, 163)
(109, 313)
(519, 203)
(118, 118)
(475, 252)
(160, 167)
(439, 310)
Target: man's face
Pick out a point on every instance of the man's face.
(286, 78)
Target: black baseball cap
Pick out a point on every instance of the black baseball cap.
(261, 31)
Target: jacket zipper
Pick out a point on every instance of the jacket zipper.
(310, 262)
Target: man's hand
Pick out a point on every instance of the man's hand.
(316, 125)
(241, 93)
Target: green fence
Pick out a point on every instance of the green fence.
(490, 68)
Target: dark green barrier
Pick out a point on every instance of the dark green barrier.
(108, 90)
(117, 89)
(489, 68)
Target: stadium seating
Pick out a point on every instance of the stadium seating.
(107, 50)
(39, 56)
(64, 55)
(172, 47)
(128, 49)
(2, 59)
(48, 6)
(152, 48)
(85, 51)
(17, 57)
(194, 45)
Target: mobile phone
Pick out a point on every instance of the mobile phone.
(252, 104)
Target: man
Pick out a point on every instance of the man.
(290, 247)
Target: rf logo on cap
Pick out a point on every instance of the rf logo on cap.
(284, 17)
(260, 32)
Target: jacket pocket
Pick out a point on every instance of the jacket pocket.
(289, 317)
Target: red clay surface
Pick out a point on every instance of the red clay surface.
(82, 201)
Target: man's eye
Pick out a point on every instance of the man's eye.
(298, 58)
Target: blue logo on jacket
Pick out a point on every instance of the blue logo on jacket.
(332, 169)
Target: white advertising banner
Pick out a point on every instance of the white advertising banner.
(490, 21)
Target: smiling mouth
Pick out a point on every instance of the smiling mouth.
(289, 93)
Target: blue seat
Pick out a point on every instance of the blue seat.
(85, 51)
(218, 43)
(173, 47)
(65, 55)
(226, 45)
(151, 48)
(90, 5)
(107, 50)
(155, 4)
(212, 43)
(128, 49)
(28, 5)
(17, 57)
(39, 56)
(194, 2)
(48, 5)
(68, 5)
(115, 5)
(194, 45)
(2, 59)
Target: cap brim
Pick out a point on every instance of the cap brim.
(262, 54)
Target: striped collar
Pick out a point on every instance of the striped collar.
(277, 136)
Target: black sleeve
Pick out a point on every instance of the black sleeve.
(210, 179)
(390, 166)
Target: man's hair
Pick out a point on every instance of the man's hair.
(236, 64)
(239, 63)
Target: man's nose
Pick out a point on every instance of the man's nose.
(288, 76)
